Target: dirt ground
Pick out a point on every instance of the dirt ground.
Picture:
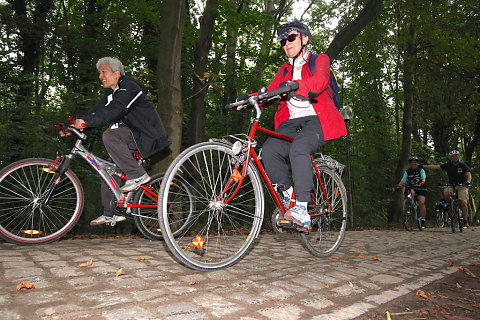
(456, 296)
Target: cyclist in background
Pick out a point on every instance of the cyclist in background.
(458, 173)
(415, 177)
(132, 124)
(310, 122)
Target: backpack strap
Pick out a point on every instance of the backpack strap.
(311, 62)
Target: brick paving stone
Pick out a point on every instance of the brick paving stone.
(182, 311)
(278, 279)
(283, 312)
(129, 313)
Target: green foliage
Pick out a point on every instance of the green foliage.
(64, 82)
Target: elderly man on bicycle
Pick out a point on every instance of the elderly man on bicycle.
(459, 174)
(415, 178)
(310, 122)
(133, 124)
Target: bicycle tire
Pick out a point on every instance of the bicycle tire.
(24, 218)
(218, 235)
(417, 217)
(453, 216)
(329, 210)
(459, 218)
(408, 219)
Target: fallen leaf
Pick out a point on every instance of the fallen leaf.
(140, 258)
(467, 271)
(377, 258)
(422, 294)
(350, 284)
(388, 316)
(25, 285)
(120, 272)
(359, 255)
(86, 264)
(326, 285)
(459, 286)
(335, 257)
(450, 262)
(192, 283)
(360, 247)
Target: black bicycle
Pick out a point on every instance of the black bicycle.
(441, 213)
(455, 211)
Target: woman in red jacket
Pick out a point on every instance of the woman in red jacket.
(310, 122)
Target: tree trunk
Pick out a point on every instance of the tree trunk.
(32, 28)
(201, 49)
(170, 106)
(408, 90)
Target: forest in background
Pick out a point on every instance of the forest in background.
(409, 69)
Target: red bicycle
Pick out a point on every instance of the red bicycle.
(225, 178)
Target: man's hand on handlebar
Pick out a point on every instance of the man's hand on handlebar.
(80, 124)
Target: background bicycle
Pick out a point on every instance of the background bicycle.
(42, 199)
(411, 215)
(454, 210)
(441, 213)
(225, 176)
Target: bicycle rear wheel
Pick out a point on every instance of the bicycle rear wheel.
(440, 218)
(329, 214)
(38, 205)
(146, 219)
(217, 234)
(408, 218)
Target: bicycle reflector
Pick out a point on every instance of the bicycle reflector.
(32, 232)
(47, 170)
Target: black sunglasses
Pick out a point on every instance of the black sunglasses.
(290, 38)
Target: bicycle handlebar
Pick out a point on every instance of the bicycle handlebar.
(264, 95)
(454, 185)
(71, 128)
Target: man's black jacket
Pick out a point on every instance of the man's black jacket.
(130, 105)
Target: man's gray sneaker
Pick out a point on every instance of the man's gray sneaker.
(133, 184)
(104, 219)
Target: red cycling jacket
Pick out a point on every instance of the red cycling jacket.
(332, 122)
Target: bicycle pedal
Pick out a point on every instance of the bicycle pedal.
(284, 223)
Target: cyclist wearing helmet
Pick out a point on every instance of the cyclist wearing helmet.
(415, 178)
(310, 122)
(458, 173)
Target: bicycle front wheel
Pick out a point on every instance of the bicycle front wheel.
(454, 215)
(218, 233)
(328, 211)
(408, 217)
(38, 205)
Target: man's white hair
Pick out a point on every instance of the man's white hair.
(114, 64)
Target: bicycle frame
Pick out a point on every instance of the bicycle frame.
(255, 126)
(105, 169)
